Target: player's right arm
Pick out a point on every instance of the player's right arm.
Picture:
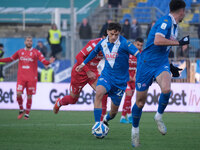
(10, 59)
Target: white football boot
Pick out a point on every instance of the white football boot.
(161, 126)
(135, 141)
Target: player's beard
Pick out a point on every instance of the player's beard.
(28, 46)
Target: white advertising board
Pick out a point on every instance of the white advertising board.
(185, 97)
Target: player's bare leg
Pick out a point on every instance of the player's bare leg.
(104, 101)
(20, 102)
(164, 81)
(141, 97)
(111, 115)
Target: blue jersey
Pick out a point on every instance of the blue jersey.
(116, 58)
(155, 55)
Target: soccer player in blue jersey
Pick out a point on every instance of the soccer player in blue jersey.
(114, 77)
(154, 65)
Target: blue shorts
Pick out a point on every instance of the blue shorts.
(146, 74)
(115, 92)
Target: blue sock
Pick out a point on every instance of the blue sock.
(163, 101)
(97, 114)
(108, 117)
(136, 113)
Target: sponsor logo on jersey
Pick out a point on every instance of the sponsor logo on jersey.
(112, 55)
(25, 67)
(26, 59)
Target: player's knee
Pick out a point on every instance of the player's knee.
(166, 90)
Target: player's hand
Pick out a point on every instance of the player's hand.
(80, 67)
(52, 59)
(185, 40)
(91, 75)
(175, 71)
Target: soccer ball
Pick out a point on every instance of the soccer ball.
(100, 130)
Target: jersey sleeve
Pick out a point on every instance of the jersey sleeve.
(132, 49)
(93, 53)
(15, 56)
(42, 59)
(87, 49)
(163, 27)
(80, 57)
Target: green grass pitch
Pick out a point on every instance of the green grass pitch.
(69, 130)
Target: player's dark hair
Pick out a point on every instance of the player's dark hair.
(175, 5)
(139, 39)
(1, 45)
(114, 26)
(105, 33)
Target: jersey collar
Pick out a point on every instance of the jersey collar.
(173, 20)
(30, 49)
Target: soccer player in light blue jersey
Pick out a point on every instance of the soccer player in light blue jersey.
(114, 77)
(154, 65)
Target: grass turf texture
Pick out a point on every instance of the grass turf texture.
(72, 131)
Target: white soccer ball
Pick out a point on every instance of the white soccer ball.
(100, 130)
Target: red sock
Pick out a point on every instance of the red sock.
(68, 99)
(20, 102)
(127, 105)
(104, 106)
(28, 105)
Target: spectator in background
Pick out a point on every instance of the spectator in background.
(126, 28)
(149, 28)
(42, 48)
(54, 39)
(113, 6)
(46, 75)
(85, 30)
(183, 51)
(1, 63)
(135, 29)
(104, 27)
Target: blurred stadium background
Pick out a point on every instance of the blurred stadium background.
(26, 17)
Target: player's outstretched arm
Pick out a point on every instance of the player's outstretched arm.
(8, 59)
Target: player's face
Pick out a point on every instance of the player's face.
(28, 42)
(181, 14)
(113, 35)
(138, 45)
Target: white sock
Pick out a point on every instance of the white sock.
(123, 117)
(135, 130)
(158, 116)
(129, 115)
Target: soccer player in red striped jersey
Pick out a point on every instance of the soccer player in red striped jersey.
(27, 73)
(89, 75)
(126, 110)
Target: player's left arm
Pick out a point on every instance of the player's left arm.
(43, 60)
